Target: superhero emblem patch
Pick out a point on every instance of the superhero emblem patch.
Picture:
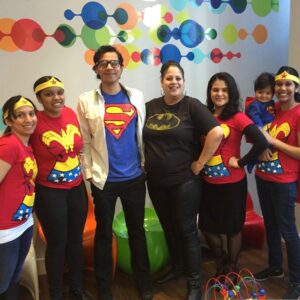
(118, 117)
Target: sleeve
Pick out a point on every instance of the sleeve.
(202, 118)
(86, 157)
(254, 113)
(259, 144)
(8, 151)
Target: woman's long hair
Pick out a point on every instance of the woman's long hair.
(233, 105)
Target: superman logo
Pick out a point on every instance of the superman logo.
(270, 109)
(118, 117)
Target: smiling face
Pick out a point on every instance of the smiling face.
(264, 95)
(23, 122)
(109, 73)
(219, 95)
(172, 84)
(285, 91)
(53, 100)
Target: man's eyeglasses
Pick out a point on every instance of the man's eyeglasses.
(103, 64)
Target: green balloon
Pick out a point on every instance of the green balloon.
(155, 239)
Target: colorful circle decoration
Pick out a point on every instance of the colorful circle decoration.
(27, 35)
(260, 7)
(93, 15)
(165, 29)
(190, 33)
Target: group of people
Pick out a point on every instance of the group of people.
(188, 153)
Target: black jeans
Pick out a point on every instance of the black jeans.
(62, 214)
(132, 196)
(177, 208)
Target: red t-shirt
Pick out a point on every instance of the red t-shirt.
(17, 187)
(282, 167)
(217, 170)
(56, 143)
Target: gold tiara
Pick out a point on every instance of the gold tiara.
(50, 83)
(286, 76)
(22, 102)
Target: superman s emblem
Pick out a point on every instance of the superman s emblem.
(118, 117)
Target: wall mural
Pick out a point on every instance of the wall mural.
(28, 35)
(173, 34)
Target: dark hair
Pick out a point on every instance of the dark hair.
(294, 72)
(42, 80)
(8, 108)
(167, 65)
(233, 105)
(104, 49)
(264, 80)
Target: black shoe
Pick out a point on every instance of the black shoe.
(169, 276)
(146, 295)
(268, 273)
(79, 294)
(194, 294)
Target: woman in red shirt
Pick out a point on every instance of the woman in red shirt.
(223, 207)
(18, 171)
(61, 200)
(277, 177)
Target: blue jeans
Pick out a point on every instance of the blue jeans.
(12, 257)
(132, 195)
(277, 201)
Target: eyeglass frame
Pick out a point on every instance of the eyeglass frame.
(114, 63)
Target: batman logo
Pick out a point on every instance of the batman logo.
(162, 122)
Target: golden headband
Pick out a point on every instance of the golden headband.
(22, 102)
(50, 83)
(286, 76)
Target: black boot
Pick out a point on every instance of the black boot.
(193, 262)
(194, 288)
(12, 293)
(194, 294)
(78, 294)
(171, 274)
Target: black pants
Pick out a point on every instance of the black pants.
(62, 214)
(132, 196)
(177, 207)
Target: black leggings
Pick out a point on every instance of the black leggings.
(62, 214)
(177, 207)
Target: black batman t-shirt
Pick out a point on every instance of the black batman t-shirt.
(172, 139)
